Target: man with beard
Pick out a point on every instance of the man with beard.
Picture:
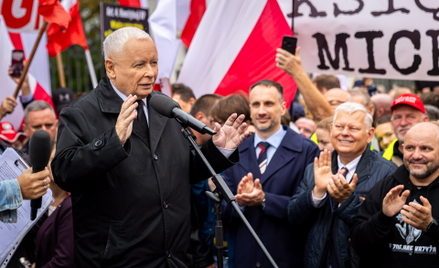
(407, 110)
(397, 224)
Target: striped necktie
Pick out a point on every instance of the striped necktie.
(262, 157)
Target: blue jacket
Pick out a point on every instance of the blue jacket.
(279, 182)
(10, 200)
(304, 217)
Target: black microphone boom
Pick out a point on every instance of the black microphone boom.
(40, 148)
(169, 108)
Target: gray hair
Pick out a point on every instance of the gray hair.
(352, 107)
(432, 112)
(365, 98)
(115, 42)
(37, 105)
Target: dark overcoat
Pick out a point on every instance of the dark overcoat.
(279, 182)
(130, 203)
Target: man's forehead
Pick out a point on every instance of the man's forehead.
(357, 116)
(426, 132)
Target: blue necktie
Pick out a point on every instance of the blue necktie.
(262, 157)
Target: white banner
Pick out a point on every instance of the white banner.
(20, 15)
(374, 38)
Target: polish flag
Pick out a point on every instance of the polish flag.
(235, 46)
(197, 9)
(74, 35)
(39, 76)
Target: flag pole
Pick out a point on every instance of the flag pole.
(29, 61)
(91, 68)
(62, 78)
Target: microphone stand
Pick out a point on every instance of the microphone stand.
(223, 193)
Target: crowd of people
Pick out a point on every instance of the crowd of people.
(337, 178)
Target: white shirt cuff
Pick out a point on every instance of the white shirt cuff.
(226, 152)
(316, 201)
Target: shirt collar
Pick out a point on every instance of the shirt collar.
(121, 95)
(274, 140)
(351, 166)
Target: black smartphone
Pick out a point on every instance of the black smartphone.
(289, 43)
(17, 62)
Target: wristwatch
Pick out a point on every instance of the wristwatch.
(432, 228)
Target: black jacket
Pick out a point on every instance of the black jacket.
(130, 203)
(320, 220)
(383, 241)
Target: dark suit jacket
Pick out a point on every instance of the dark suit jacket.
(130, 203)
(54, 242)
(279, 182)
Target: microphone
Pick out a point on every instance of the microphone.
(169, 108)
(40, 148)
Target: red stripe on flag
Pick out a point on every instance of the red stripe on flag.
(41, 94)
(130, 3)
(256, 60)
(198, 7)
(16, 40)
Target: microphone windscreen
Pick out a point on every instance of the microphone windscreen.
(163, 104)
(40, 148)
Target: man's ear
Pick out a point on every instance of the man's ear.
(191, 101)
(109, 67)
(199, 116)
(370, 134)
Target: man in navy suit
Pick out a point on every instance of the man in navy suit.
(272, 165)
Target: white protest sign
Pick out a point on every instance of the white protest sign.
(375, 38)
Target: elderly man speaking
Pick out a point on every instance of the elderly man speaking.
(129, 170)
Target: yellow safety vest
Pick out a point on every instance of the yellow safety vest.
(314, 138)
(388, 153)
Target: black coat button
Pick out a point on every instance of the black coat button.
(156, 157)
(165, 205)
(98, 143)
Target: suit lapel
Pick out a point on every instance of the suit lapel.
(157, 123)
(281, 157)
(288, 150)
(247, 157)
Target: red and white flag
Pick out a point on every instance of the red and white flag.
(18, 30)
(197, 9)
(39, 75)
(74, 34)
(235, 46)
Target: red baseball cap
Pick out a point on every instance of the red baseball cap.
(8, 133)
(409, 99)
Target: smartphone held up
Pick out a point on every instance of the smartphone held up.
(289, 44)
(17, 62)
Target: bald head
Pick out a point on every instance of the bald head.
(421, 153)
(337, 96)
(383, 103)
(423, 130)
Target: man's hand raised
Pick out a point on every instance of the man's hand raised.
(232, 133)
(124, 123)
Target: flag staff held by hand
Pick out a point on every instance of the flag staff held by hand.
(53, 12)
(28, 62)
